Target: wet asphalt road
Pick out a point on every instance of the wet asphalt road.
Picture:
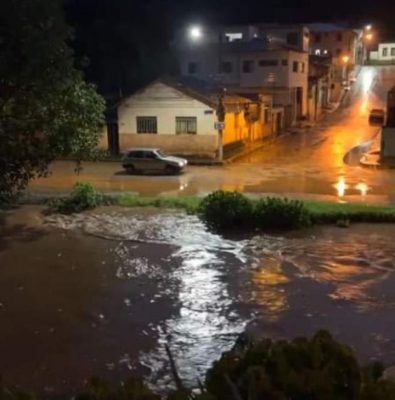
(308, 164)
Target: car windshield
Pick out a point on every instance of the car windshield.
(160, 153)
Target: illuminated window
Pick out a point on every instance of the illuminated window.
(318, 52)
(231, 37)
(186, 125)
(147, 125)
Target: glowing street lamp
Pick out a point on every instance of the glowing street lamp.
(369, 36)
(346, 59)
(368, 27)
(195, 33)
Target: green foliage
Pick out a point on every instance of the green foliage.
(226, 210)
(83, 197)
(316, 369)
(281, 213)
(46, 109)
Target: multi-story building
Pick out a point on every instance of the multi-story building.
(261, 59)
(337, 42)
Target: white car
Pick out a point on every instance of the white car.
(152, 160)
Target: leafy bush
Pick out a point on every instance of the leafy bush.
(315, 369)
(226, 210)
(281, 213)
(83, 197)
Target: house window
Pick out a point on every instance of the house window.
(393, 51)
(339, 37)
(147, 125)
(284, 63)
(226, 67)
(193, 68)
(385, 51)
(292, 38)
(186, 125)
(317, 37)
(268, 63)
(295, 66)
(302, 65)
(248, 66)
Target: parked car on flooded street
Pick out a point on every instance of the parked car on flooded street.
(152, 160)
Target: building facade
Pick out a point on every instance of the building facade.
(385, 53)
(266, 59)
(181, 120)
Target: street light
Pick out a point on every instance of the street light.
(369, 36)
(346, 59)
(195, 32)
(368, 27)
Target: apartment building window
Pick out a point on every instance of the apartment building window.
(295, 66)
(186, 125)
(193, 68)
(147, 125)
(248, 66)
(385, 52)
(284, 63)
(393, 51)
(268, 63)
(302, 67)
(226, 67)
(317, 37)
(339, 37)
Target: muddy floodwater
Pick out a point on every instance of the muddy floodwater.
(101, 293)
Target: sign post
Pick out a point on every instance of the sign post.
(220, 126)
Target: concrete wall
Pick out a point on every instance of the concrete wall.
(390, 48)
(166, 103)
(328, 44)
(202, 145)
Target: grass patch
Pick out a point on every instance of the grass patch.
(190, 204)
(324, 212)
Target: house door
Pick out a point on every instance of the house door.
(299, 102)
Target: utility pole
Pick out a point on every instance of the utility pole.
(220, 126)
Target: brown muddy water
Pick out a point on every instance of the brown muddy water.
(101, 293)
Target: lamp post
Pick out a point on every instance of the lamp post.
(345, 60)
(220, 125)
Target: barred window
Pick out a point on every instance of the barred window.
(186, 125)
(147, 125)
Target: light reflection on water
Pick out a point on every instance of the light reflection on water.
(205, 268)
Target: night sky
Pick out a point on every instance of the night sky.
(126, 42)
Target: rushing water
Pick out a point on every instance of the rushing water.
(106, 290)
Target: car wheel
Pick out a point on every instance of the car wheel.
(170, 169)
(130, 169)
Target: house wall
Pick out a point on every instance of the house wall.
(260, 77)
(166, 103)
(390, 48)
(328, 43)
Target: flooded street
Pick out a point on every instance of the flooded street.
(101, 293)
